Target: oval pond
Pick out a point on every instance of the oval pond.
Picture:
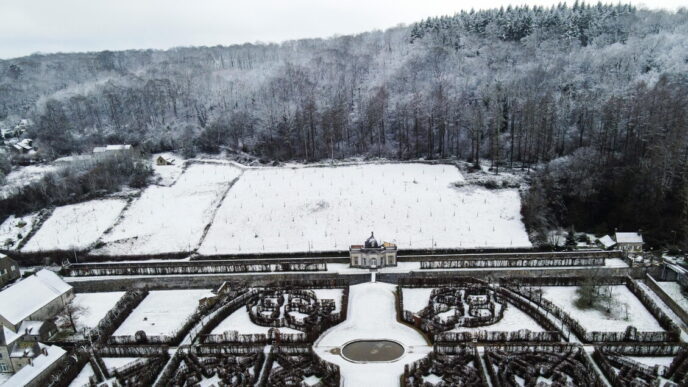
(372, 350)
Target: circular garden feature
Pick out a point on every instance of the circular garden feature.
(369, 351)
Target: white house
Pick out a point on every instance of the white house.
(38, 297)
(372, 254)
(39, 368)
(630, 242)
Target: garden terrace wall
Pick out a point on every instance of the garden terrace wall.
(314, 280)
(510, 262)
(511, 255)
(673, 305)
(522, 335)
(676, 371)
(189, 267)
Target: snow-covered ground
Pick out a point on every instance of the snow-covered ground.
(330, 208)
(653, 360)
(240, 321)
(371, 315)
(162, 312)
(673, 289)
(166, 175)
(110, 362)
(331, 294)
(26, 175)
(15, 229)
(514, 319)
(595, 321)
(94, 307)
(82, 378)
(171, 219)
(416, 299)
(76, 226)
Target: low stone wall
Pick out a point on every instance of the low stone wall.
(207, 281)
(673, 305)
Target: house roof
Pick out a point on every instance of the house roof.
(606, 241)
(26, 297)
(629, 237)
(39, 365)
(8, 337)
(30, 327)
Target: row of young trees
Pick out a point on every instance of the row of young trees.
(596, 88)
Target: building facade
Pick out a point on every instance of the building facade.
(9, 270)
(372, 254)
(629, 242)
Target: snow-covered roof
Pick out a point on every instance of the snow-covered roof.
(606, 241)
(26, 297)
(30, 327)
(39, 365)
(8, 337)
(629, 237)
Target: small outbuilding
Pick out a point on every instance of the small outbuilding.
(606, 242)
(9, 270)
(372, 254)
(160, 160)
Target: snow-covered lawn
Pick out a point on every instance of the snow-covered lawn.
(162, 312)
(372, 315)
(110, 362)
(595, 321)
(653, 360)
(330, 208)
(171, 219)
(76, 226)
(416, 299)
(82, 378)
(94, 307)
(331, 294)
(15, 229)
(514, 319)
(673, 289)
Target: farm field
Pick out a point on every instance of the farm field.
(162, 312)
(170, 219)
(75, 226)
(15, 229)
(329, 208)
(595, 320)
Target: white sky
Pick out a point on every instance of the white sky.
(28, 26)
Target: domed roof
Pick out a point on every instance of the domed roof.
(371, 242)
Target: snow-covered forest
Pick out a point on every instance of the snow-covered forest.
(593, 96)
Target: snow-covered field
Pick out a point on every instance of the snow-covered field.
(171, 219)
(76, 226)
(595, 321)
(416, 299)
(15, 229)
(372, 315)
(328, 208)
(95, 306)
(162, 312)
